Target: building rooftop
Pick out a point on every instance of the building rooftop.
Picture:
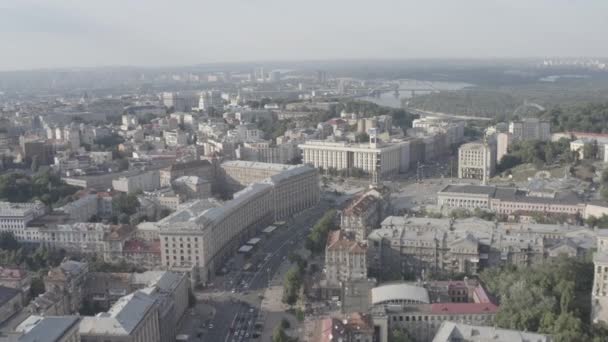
(122, 318)
(188, 165)
(258, 165)
(399, 292)
(470, 189)
(337, 240)
(451, 331)
(12, 273)
(7, 293)
(463, 308)
(46, 329)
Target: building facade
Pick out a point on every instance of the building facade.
(477, 160)
(530, 129)
(418, 246)
(599, 294)
(203, 237)
(143, 181)
(509, 201)
(365, 212)
(345, 259)
(374, 158)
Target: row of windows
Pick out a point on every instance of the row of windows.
(426, 318)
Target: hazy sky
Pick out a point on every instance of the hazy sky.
(63, 33)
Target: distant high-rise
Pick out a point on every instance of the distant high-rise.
(210, 99)
(530, 129)
(259, 74)
(342, 87)
(321, 76)
(477, 160)
(274, 76)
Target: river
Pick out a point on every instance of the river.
(394, 100)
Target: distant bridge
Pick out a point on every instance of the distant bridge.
(424, 113)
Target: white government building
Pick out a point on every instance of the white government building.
(373, 158)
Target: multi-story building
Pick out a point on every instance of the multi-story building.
(345, 259)
(133, 318)
(14, 217)
(200, 168)
(421, 310)
(365, 212)
(453, 331)
(599, 294)
(203, 236)
(477, 160)
(175, 138)
(453, 130)
(100, 157)
(238, 174)
(210, 99)
(37, 149)
(530, 129)
(11, 302)
(416, 246)
(67, 282)
(82, 209)
(205, 239)
(263, 151)
(509, 201)
(192, 187)
(503, 140)
(103, 240)
(17, 279)
(379, 159)
(169, 290)
(141, 252)
(48, 328)
(356, 327)
(142, 181)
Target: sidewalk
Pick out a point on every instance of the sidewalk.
(273, 307)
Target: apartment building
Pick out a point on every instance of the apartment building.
(204, 239)
(345, 259)
(530, 129)
(17, 278)
(477, 160)
(200, 168)
(48, 328)
(142, 181)
(175, 138)
(238, 174)
(264, 151)
(133, 318)
(453, 130)
(423, 245)
(191, 187)
(168, 289)
(365, 212)
(355, 327)
(67, 282)
(599, 294)
(203, 235)
(453, 331)
(11, 302)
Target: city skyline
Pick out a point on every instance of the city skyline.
(113, 33)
